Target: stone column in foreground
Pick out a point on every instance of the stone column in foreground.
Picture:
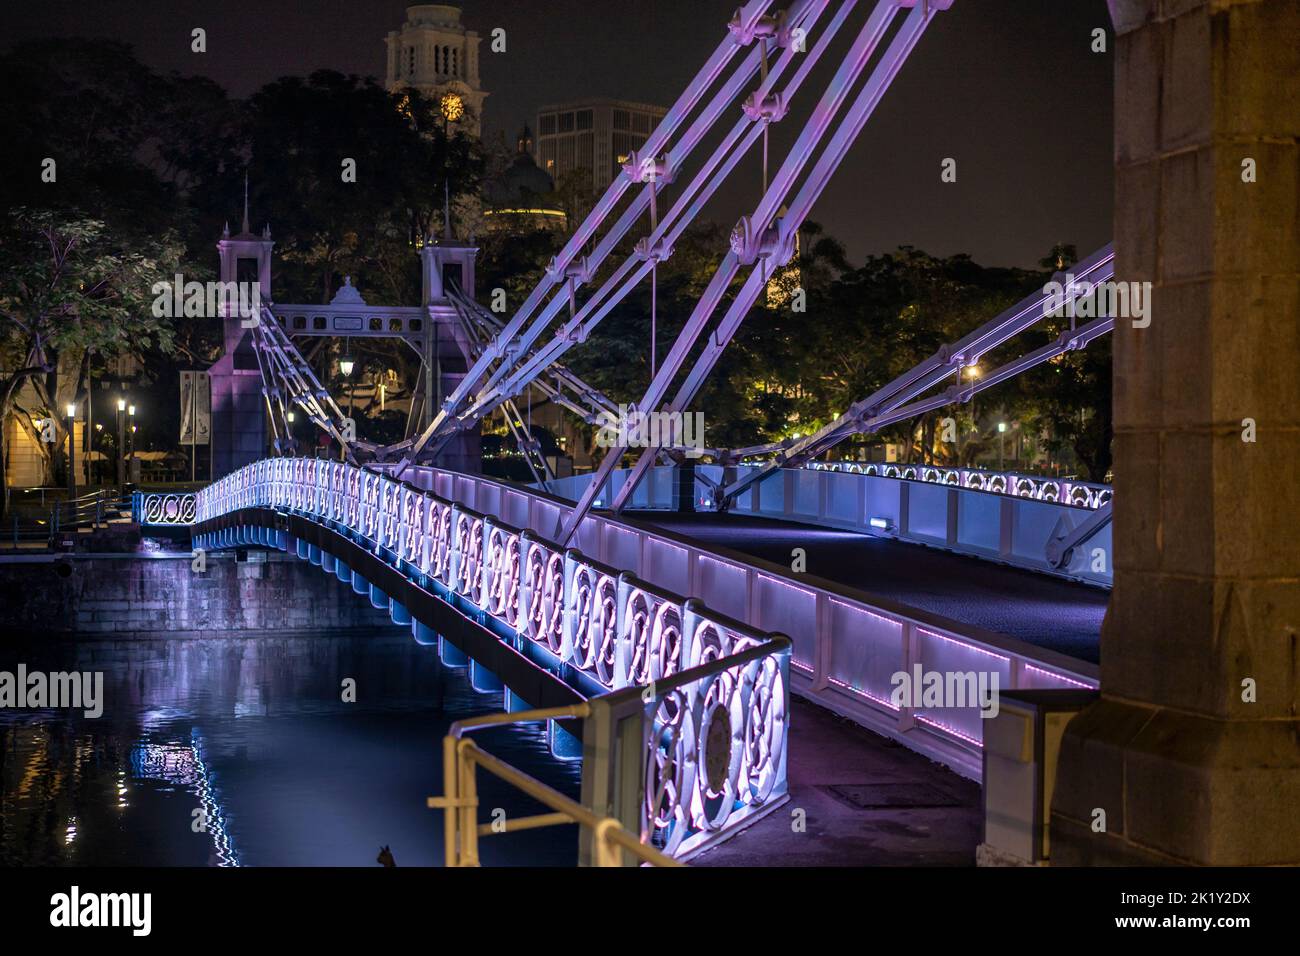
(1188, 763)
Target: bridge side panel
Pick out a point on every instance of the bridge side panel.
(866, 650)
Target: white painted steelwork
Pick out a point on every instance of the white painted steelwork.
(1052, 526)
(1077, 494)
(165, 508)
(615, 629)
(846, 648)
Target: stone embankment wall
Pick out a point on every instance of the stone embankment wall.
(159, 596)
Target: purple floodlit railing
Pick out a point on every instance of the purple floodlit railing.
(606, 624)
(1046, 525)
(163, 508)
(618, 617)
(846, 647)
(1077, 494)
(617, 631)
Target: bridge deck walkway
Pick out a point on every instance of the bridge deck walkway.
(866, 801)
(1035, 608)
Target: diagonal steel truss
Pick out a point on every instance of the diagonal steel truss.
(288, 382)
(766, 237)
(556, 383)
(510, 362)
(901, 399)
(516, 355)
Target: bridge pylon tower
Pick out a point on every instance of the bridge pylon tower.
(238, 418)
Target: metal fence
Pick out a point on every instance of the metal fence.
(846, 649)
(1000, 516)
(163, 508)
(619, 631)
(52, 526)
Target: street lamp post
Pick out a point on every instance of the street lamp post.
(130, 411)
(72, 450)
(345, 366)
(121, 444)
(1002, 430)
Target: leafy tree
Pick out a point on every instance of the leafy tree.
(1072, 401)
(408, 161)
(70, 289)
(162, 160)
(97, 113)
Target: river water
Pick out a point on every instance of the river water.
(242, 752)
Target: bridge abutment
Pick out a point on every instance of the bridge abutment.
(1192, 754)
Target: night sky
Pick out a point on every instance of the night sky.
(1010, 88)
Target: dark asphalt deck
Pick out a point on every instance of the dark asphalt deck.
(866, 801)
(1035, 608)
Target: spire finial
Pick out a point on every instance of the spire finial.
(245, 202)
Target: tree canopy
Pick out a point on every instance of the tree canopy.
(116, 176)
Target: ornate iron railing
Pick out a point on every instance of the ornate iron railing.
(1078, 494)
(164, 508)
(616, 630)
(1012, 519)
(848, 645)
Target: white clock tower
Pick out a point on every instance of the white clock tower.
(435, 54)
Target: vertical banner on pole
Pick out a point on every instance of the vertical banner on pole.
(187, 408)
(196, 413)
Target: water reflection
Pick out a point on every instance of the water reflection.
(232, 752)
(184, 766)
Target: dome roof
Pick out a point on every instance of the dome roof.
(522, 183)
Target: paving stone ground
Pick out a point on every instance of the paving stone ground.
(869, 802)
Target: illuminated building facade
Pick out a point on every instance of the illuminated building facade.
(596, 135)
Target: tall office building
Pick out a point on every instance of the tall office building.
(596, 135)
(435, 54)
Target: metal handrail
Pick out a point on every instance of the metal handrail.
(371, 514)
(461, 758)
(876, 604)
(740, 627)
(664, 686)
(87, 509)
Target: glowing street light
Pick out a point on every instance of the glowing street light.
(346, 365)
(121, 443)
(130, 410)
(72, 450)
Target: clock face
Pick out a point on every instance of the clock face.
(452, 106)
